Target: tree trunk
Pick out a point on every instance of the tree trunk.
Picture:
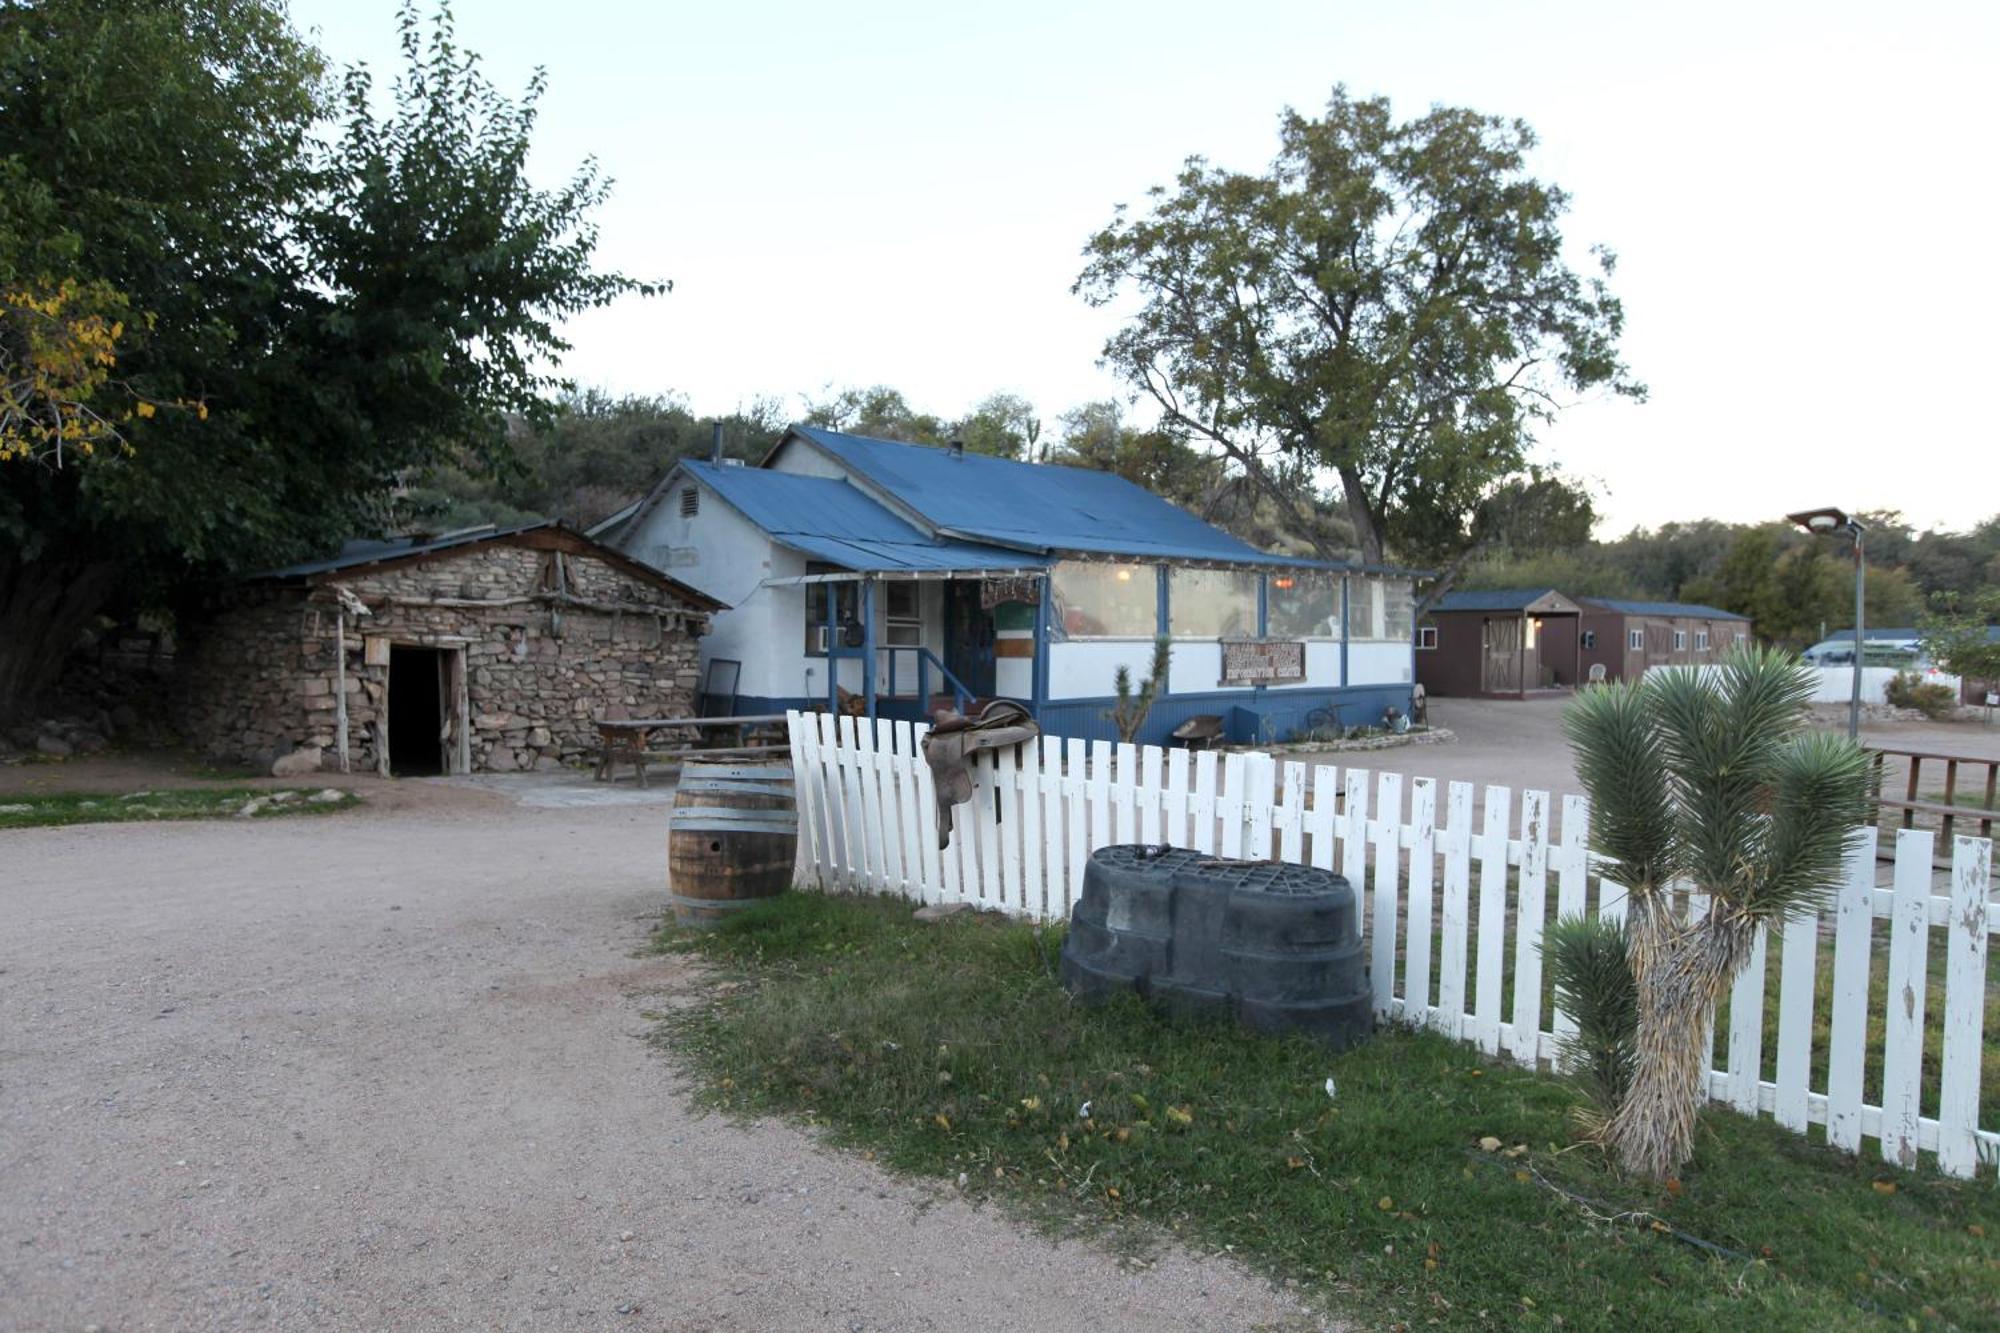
(44, 606)
(1368, 532)
(1680, 972)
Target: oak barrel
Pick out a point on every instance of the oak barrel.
(731, 840)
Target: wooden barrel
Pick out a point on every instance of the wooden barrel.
(731, 840)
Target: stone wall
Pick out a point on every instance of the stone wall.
(552, 640)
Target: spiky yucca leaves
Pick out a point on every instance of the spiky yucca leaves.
(1593, 984)
(1128, 714)
(1710, 778)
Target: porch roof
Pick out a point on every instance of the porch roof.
(828, 519)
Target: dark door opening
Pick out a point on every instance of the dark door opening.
(968, 643)
(418, 714)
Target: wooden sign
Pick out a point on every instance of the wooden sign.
(1262, 661)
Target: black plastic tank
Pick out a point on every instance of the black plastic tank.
(1274, 944)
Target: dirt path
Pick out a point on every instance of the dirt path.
(386, 1070)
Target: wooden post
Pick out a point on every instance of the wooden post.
(461, 708)
(340, 684)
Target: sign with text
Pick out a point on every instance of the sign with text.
(1262, 661)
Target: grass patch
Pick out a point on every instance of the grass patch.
(47, 809)
(951, 1052)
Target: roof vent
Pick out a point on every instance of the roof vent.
(690, 502)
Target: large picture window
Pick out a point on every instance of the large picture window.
(1304, 606)
(1381, 609)
(1212, 603)
(1106, 601)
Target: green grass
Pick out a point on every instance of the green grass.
(951, 1052)
(45, 809)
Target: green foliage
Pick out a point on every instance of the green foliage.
(1129, 713)
(1795, 586)
(350, 298)
(1959, 637)
(60, 809)
(1389, 303)
(1934, 699)
(1593, 984)
(870, 1027)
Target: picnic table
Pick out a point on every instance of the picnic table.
(629, 740)
(1949, 810)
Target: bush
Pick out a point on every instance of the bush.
(1931, 698)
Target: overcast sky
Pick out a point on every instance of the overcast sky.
(1803, 199)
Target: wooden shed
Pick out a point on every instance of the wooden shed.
(1505, 643)
(1627, 637)
(452, 653)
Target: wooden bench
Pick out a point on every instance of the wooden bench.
(629, 741)
(1948, 811)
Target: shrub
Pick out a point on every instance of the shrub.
(1933, 699)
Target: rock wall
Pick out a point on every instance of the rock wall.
(552, 642)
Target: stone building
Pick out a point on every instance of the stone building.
(478, 651)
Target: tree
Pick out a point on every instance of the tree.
(313, 316)
(1388, 305)
(879, 412)
(1795, 587)
(1003, 425)
(1716, 779)
(1962, 639)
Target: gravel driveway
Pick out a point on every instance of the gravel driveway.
(386, 1069)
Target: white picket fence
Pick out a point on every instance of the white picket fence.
(1465, 904)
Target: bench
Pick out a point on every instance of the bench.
(628, 741)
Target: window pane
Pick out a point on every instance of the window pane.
(1305, 606)
(1212, 603)
(1399, 607)
(1364, 602)
(1106, 601)
(900, 600)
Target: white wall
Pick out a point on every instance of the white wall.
(1384, 663)
(1086, 669)
(1836, 683)
(1322, 667)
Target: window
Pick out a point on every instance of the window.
(1303, 606)
(1701, 640)
(1399, 610)
(844, 598)
(690, 502)
(1680, 640)
(1212, 603)
(1590, 638)
(1427, 637)
(902, 614)
(1106, 601)
(1635, 639)
(1381, 609)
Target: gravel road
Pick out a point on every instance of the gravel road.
(385, 1069)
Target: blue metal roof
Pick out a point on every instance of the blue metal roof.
(1686, 610)
(1039, 506)
(1493, 599)
(832, 520)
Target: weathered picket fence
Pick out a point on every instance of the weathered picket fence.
(1464, 908)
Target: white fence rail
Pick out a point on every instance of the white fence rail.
(1464, 907)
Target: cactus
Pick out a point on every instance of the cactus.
(1129, 713)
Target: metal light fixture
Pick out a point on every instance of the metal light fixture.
(1832, 522)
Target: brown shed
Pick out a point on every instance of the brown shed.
(478, 650)
(1508, 643)
(1626, 637)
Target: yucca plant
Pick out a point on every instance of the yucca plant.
(1710, 780)
(1593, 984)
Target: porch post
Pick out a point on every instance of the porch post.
(868, 644)
(1346, 630)
(1039, 677)
(1263, 606)
(832, 646)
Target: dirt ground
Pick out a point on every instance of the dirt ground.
(388, 1069)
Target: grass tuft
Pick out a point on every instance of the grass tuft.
(51, 809)
(1433, 1187)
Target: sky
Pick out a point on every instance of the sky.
(1802, 198)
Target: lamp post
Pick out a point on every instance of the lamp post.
(1827, 523)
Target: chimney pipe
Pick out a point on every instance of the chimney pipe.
(715, 443)
(957, 447)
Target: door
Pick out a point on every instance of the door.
(1500, 655)
(968, 638)
(420, 711)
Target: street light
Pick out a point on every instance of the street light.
(1828, 523)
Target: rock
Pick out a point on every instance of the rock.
(281, 797)
(15, 809)
(539, 737)
(124, 717)
(55, 746)
(90, 742)
(327, 796)
(251, 808)
(296, 764)
(940, 911)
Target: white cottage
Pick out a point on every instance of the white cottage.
(913, 576)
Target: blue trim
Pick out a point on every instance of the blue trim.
(1039, 671)
(1263, 606)
(1163, 610)
(868, 645)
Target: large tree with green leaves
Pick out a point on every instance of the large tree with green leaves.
(1390, 306)
(318, 297)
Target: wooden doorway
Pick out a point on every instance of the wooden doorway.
(1500, 655)
(969, 637)
(427, 732)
